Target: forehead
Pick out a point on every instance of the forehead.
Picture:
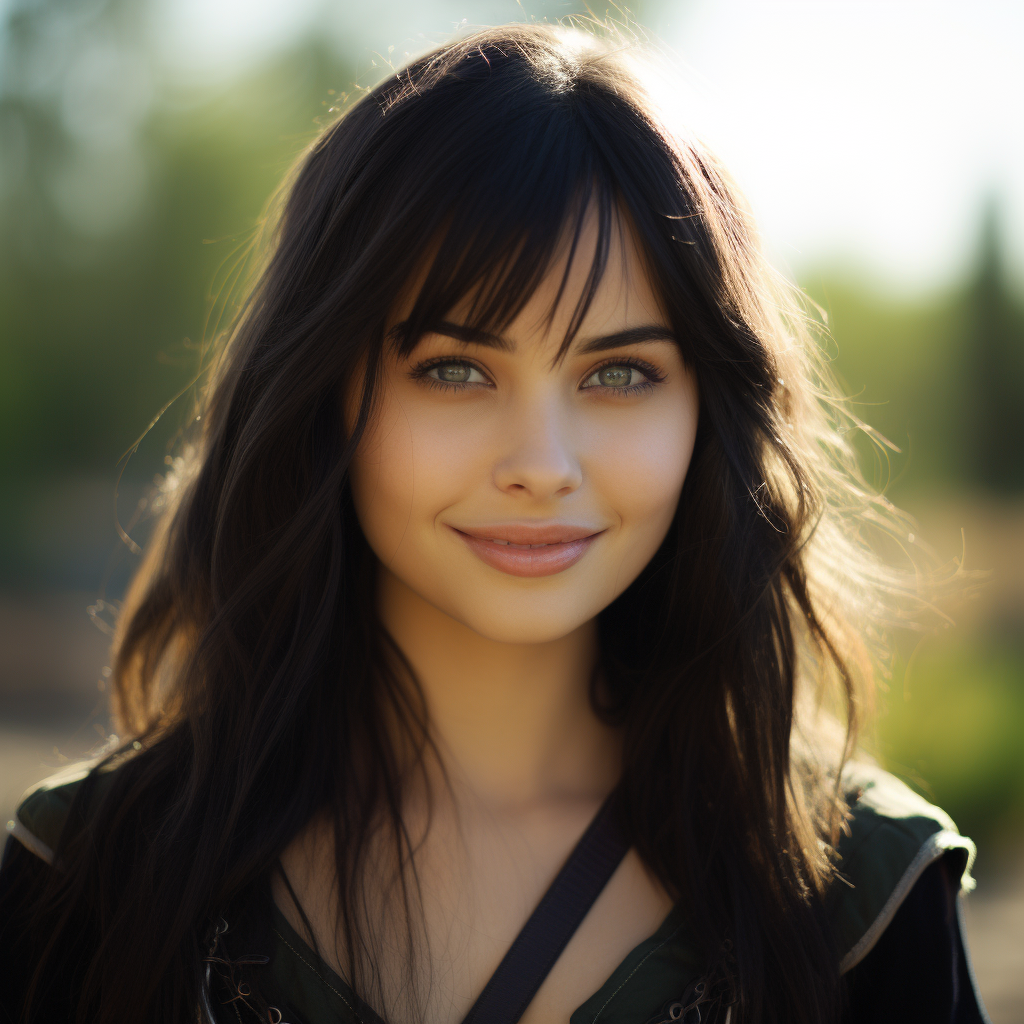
(614, 287)
(625, 293)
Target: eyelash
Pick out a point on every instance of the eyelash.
(652, 373)
(654, 376)
(421, 372)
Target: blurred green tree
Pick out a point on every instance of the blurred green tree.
(122, 220)
(994, 354)
(939, 375)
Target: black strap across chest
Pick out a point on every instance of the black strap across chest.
(536, 948)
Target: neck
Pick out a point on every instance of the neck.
(513, 723)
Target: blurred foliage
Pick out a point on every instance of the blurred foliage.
(127, 198)
(940, 376)
(107, 274)
(952, 727)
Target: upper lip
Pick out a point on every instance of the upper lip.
(530, 533)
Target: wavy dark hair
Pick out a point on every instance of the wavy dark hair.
(254, 682)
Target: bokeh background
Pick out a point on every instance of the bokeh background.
(881, 146)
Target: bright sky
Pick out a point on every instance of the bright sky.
(865, 132)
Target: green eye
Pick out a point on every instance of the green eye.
(615, 376)
(624, 378)
(452, 373)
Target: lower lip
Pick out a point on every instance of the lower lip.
(544, 561)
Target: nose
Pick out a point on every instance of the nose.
(540, 458)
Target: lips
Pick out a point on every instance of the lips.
(521, 549)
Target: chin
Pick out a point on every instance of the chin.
(509, 622)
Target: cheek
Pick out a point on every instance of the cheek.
(639, 464)
(382, 477)
(414, 462)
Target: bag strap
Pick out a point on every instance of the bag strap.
(554, 922)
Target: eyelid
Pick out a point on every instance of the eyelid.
(422, 369)
(651, 372)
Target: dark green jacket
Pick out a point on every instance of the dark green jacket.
(894, 837)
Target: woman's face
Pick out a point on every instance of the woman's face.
(517, 494)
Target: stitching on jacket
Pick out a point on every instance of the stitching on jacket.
(668, 938)
(317, 973)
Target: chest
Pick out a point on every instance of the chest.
(472, 894)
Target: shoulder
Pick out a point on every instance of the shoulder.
(891, 837)
(44, 810)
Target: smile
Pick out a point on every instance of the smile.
(526, 550)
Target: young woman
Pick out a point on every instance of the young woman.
(519, 514)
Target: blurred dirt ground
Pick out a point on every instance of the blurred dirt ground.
(995, 930)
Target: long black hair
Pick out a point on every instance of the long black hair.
(251, 670)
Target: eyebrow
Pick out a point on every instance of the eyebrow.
(630, 336)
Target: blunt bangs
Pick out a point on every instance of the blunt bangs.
(502, 229)
(486, 160)
(494, 274)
